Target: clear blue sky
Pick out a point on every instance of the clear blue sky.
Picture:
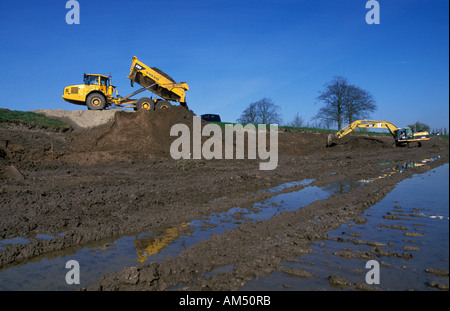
(234, 52)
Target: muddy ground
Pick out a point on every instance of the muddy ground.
(119, 178)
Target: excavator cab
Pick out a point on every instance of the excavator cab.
(403, 134)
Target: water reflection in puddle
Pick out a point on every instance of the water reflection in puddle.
(23, 240)
(400, 168)
(281, 187)
(407, 233)
(147, 244)
(49, 274)
(218, 223)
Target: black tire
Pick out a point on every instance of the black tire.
(145, 103)
(163, 104)
(96, 101)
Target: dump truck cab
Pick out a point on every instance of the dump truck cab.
(96, 82)
(96, 92)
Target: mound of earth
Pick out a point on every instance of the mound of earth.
(363, 141)
(114, 135)
(137, 135)
(146, 134)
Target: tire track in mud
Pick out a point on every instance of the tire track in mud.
(255, 249)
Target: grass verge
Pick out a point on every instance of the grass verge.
(31, 118)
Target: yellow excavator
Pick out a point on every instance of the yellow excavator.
(403, 136)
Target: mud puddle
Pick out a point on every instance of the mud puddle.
(407, 233)
(400, 168)
(221, 222)
(49, 273)
(21, 240)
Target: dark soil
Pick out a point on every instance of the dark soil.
(119, 179)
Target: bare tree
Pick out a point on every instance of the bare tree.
(333, 97)
(263, 111)
(358, 103)
(343, 101)
(297, 121)
(249, 115)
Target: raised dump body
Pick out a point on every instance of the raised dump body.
(158, 82)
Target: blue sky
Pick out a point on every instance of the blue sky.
(233, 53)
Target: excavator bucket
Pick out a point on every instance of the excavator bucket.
(331, 140)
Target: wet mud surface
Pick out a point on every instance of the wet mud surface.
(118, 180)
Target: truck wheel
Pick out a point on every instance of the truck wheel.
(163, 104)
(145, 103)
(96, 102)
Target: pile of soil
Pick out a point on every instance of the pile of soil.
(135, 136)
(312, 142)
(144, 135)
(363, 141)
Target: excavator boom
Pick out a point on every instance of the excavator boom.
(366, 124)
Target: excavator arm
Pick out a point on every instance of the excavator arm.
(366, 124)
(362, 124)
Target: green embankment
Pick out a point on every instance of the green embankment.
(31, 118)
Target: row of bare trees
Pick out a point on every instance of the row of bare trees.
(343, 102)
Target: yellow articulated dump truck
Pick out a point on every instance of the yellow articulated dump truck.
(97, 92)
